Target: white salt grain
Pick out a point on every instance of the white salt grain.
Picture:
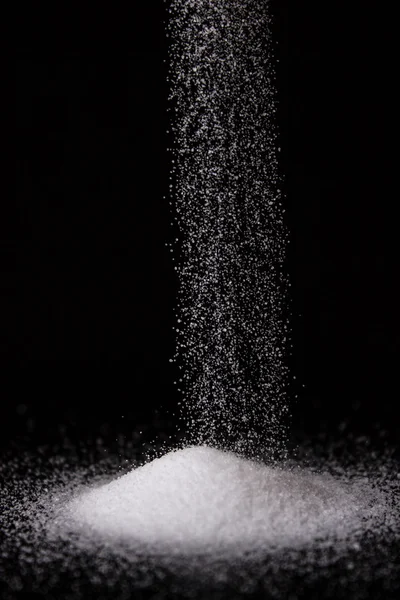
(201, 499)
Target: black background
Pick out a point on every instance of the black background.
(89, 287)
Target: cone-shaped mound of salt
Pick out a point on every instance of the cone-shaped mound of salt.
(201, 498)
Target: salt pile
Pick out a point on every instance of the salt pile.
(201, 499)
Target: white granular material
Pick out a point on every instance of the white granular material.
(182, 526)
(226, 191)
(201, 498)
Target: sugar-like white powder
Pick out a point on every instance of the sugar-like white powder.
(200, 498)
(185, 523)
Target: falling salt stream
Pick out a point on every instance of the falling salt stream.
(231, 488)
(232, 332)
